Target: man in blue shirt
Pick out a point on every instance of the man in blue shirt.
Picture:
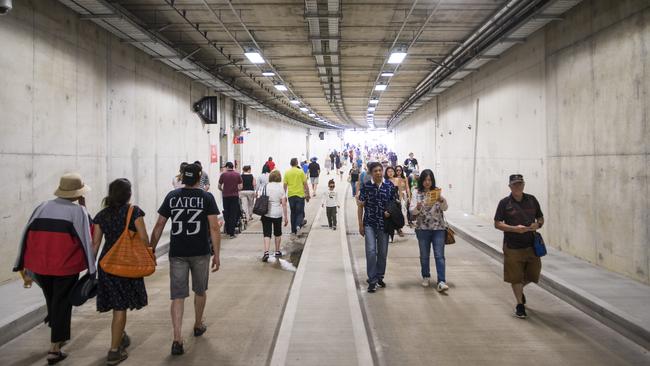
(374, 197)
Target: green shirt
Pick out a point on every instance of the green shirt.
(295, 178)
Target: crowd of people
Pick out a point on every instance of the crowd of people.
(389, 195)
(62, 240)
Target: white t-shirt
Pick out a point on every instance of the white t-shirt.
(275, 191)
(330, 199)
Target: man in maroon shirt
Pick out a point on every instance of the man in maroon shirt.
(230, 183)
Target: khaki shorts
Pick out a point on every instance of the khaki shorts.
(521, 265)
(179, 275)
(313, 180)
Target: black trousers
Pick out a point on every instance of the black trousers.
(331, 216)
(57, 297)
(271, 225)
(231, 213)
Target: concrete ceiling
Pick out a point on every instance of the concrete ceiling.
(329, 53)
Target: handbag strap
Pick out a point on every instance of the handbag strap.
(128, 219)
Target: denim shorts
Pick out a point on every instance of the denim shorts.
(179, 275)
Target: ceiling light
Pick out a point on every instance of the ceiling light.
(281, 87)
(312, 115)
(371, 109)
(304, 109)
(374, 101)
(254, 56)
(268, 73)
(294, 101)
(397, 55)
(380, 87)
(387, 74)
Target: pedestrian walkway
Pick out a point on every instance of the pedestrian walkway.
(472, 324)
(246, 299)
(322, 323)
(617, 301)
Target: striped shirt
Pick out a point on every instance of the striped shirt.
(57, 240)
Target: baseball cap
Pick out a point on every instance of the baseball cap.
(516, 178)
(191, 174)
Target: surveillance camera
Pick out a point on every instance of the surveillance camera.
(5, 6)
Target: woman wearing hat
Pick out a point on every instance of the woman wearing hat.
(56, 246)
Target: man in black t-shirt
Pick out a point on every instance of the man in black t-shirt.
(410, 165)
(194, 213)
(314, 173)
(519, 215)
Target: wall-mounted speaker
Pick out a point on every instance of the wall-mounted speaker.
(321, 135)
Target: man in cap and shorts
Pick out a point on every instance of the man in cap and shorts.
(519, 215)
(194, 213)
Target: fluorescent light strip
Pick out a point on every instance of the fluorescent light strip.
(387, 74)
(294, 101)
(396, 57)
(281, 87)
(374, 101)
(254, 57)
(268, 73)
(304, 109)
(380, 87)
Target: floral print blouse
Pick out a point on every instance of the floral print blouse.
(428, 217)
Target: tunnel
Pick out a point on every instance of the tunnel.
(325, 182)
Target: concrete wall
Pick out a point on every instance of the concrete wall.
(74, 98)
(569, 110)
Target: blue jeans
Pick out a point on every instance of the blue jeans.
(376, 253)
(297, 206)
(354, 188)
(427, 239)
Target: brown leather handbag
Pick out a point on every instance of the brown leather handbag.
(130, 256)
(449, 237)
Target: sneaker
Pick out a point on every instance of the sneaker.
(115, 357)
(381, 283)
(200, 330)
(177, 349)
(520, 311)
(278, 254)
(372, 288)
(426, 282)
(126, 341)
(232, 236)
(523, 299)
(442, 287)
(333, 227)
(265, 257)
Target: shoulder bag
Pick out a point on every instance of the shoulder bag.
(85, 288)
(129, 257)
(450, 237)
(539, 247)
(261, 206)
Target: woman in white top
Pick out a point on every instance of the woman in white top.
(272, 221)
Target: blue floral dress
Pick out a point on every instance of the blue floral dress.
(113, 292)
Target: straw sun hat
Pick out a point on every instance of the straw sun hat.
(71, 186)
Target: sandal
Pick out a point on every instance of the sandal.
(60, 356)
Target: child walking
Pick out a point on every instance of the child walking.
(331, 203)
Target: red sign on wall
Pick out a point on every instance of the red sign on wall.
(237, 140)
(214, 157)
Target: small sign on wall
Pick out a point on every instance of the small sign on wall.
(214, 157)
(238, 140)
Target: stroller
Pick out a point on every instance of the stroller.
(242, 222)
